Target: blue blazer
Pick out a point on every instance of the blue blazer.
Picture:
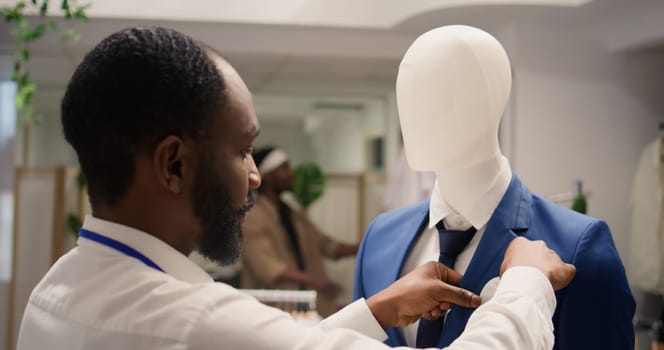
(594, 312)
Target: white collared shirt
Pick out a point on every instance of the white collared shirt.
(96, 297)
(427, 247)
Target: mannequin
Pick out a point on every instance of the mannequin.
(452, 89)
(459, 117)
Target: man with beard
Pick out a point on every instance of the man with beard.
(282, 249)
(163, 128)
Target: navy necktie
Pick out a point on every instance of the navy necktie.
(452, 243)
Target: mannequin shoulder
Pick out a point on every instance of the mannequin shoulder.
(408, 215)
(564, 228)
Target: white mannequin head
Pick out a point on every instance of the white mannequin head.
(452, 88)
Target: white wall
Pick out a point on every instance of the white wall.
(287, 135)
(47, 142)
(582, 112)
(339, 144)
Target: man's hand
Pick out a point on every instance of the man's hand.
(425, 291)
(522, 252)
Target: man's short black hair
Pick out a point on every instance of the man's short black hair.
(134, 88)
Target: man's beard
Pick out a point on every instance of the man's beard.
(221, 239)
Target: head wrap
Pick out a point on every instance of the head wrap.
(269, 158)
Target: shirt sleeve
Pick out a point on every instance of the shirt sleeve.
(517, 317)
(358, 317)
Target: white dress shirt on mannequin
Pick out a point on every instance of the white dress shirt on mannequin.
(427, 248)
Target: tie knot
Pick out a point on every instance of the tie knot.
(452, 242)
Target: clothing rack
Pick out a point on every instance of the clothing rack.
(301, 304)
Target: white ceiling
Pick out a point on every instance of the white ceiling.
(353, 45)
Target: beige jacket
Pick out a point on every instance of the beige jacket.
(267, 251)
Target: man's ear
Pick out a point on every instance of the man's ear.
(170, 163)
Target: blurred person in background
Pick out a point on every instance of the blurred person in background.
(282, 248)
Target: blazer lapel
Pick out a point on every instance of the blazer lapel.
(511, 217)
(408, 231)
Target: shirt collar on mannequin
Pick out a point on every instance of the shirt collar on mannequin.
(473, 192)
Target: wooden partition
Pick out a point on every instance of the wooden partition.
(344, 211)
(43, 198)
(349, 203)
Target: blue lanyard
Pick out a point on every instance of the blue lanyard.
(119, 246)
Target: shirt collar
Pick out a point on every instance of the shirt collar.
(479, 203)
(477, 214)
(438, 207)
(170, 260)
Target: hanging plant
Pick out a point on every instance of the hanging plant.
(308, 183)
(74, 219)
(26, 32)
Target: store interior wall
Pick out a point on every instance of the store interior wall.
(584, 113)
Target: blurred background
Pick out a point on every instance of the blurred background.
(586, 100)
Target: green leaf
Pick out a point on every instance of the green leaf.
(66, 9)
(80, 15)
(17, 71)
(24, 31)
(26, 91)
(25, 54)
(71, 35)
(25, 79)
(308, 183)
(19, 100)
(34, 2)
(13, 14)
(24, 24)
(68, 34)
(39, 31)
(74, 223)
(43, 9)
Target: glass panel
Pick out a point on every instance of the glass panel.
(7, 142)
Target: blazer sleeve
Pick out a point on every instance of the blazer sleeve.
(258, 249)
(596, 310)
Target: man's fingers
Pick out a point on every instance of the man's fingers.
(428, 316)
(459, 296)
(564, 277)
(448, 275)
